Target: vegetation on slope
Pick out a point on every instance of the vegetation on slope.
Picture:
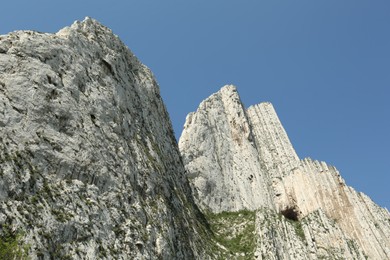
(10, 245)
(235, 233)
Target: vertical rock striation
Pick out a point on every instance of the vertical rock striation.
(221, 157)
(89, 166)
(241, 159)
(275, 150)
(90, 169)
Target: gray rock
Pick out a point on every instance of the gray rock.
(89, 166)
(242, 159)
(220, 155)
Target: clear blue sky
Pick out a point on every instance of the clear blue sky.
(325, 65)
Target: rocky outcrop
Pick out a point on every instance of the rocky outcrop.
(221, 157)
(242, 159)
(314, 237)
(89, 166)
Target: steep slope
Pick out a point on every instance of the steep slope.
(89, 166)
(220, 155)
(90, 169)
(241, 159)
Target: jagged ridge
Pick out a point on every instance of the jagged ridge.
(89, 167)
(243, 159)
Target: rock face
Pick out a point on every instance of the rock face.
(89, 166)
(90, 169)
(221, 157)
(242, 159)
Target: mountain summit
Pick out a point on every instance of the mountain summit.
(242, 159)
(90, 168)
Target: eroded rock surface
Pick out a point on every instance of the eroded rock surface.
(242, 159)
(221, 157)
(90, 169)
(89, 166)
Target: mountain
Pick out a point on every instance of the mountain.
(90, 168)
(242, 160)
(89, 165)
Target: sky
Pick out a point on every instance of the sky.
(323, 64)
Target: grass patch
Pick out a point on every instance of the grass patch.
(11, 246)
(299, 230)
(235, 231)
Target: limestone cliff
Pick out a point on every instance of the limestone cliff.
(242, 159)
(222, 164)
(89, 166)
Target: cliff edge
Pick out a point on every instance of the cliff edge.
(89, 166)
(242, 159)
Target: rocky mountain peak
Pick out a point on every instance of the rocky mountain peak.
(95, 32)
(241, 159)
(88, 25)
(222, 164)
(89, 166)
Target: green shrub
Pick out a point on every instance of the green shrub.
(10, 246)
(235, 231)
